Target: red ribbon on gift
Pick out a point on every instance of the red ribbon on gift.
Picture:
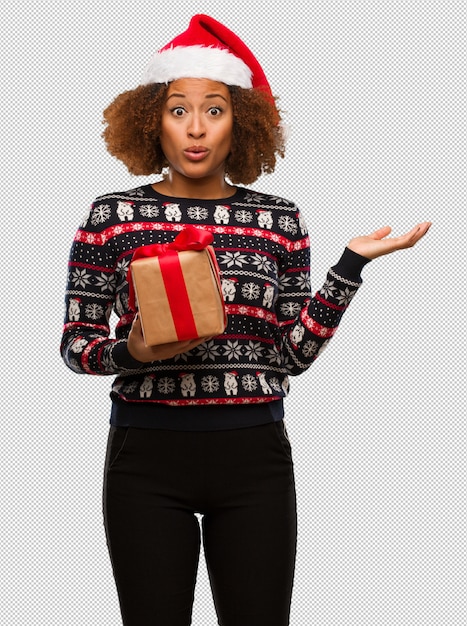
(190, 238)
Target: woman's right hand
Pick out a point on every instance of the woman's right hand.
(139, 351)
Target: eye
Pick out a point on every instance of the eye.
(177, 111)
(215, 111)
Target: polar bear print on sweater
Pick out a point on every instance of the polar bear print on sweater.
(222, 214)
(74, 309)
(231, 383)
(125, 211)
(172, 212)
(187, 385)
(302, 225)
(297, 335)
(146, 387)
(229, 288)
(268, 295)
(265, 218)
(263, 382)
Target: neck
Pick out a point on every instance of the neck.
(212, 188)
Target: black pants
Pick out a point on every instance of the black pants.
(241, 482)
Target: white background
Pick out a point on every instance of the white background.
(374, 93)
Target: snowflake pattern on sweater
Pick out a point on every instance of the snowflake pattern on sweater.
(275, 327)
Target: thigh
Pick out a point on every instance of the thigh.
(153, 537)
(250, 540)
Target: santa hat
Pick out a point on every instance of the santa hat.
(207, 49)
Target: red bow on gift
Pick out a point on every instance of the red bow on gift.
(190, 238)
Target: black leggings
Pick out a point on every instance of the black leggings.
(241, 482)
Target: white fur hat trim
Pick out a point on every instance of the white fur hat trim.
(198, 62)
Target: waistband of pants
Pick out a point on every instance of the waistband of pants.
(194, 418)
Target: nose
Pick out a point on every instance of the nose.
(196, 127)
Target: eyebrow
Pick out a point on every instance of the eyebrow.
(209, 95)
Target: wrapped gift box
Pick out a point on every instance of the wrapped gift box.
(177, 291)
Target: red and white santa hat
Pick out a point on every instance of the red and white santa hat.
(207, 49)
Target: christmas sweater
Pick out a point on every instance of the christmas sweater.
(276, 327)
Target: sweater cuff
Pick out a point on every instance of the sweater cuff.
(350, 265)
(122, 357)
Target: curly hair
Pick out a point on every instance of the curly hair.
(133, 127)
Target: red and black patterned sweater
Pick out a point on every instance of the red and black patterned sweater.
(276, 328)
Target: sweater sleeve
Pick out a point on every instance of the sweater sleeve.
(316, 317)
(92, 293)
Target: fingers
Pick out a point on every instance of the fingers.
(381, 232)
(185, 346)
(136, 324)
(179, 347)
(407, 240)
(413, 236)
(423, 228)
(146, 354)
(201, 340)
(378, 243)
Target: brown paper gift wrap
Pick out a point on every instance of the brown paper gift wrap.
(159, 319)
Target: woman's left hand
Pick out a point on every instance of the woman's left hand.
(376, 244)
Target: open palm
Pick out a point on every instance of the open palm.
(377, 244)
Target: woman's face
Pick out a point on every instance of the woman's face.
(196, 134)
